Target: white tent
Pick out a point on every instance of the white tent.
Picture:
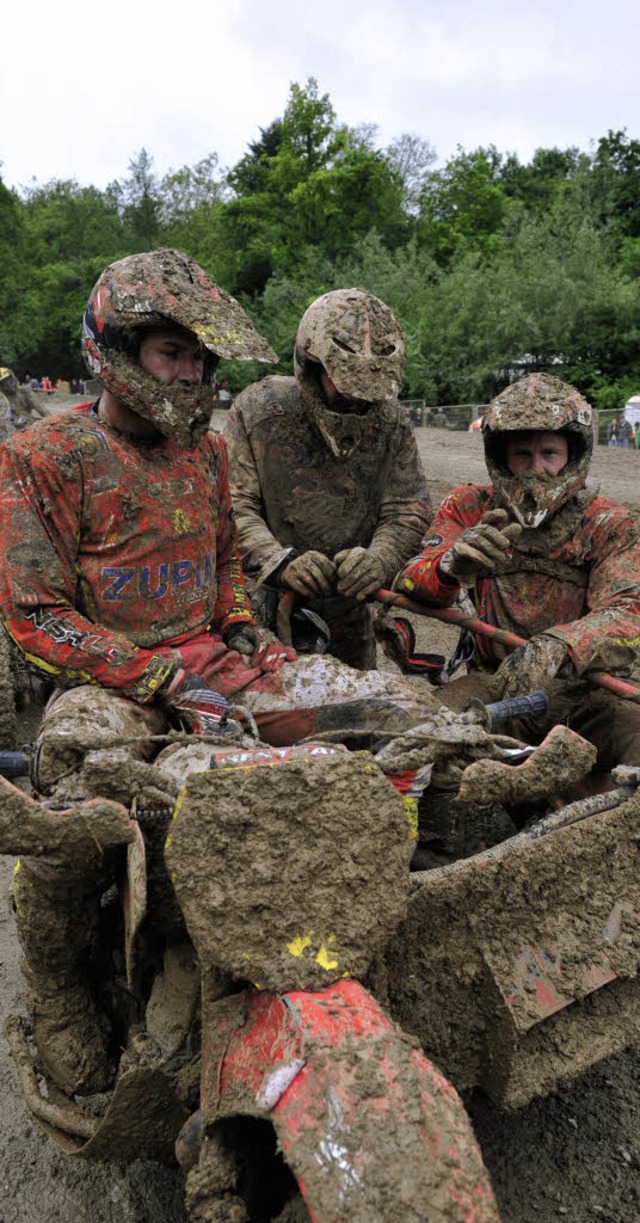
(632, 409)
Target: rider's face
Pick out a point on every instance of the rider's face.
(172, 355)
(535, 450)
(338, 402)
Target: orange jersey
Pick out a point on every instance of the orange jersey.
(111, 547)
(581, 584)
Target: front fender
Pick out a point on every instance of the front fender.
(366, 1123)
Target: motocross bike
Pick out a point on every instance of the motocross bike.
(240, 931)
(256, 907)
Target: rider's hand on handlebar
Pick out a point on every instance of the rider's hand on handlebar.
(311, 574)
(359, 572)
(532, 667)
(243, 638)
(480, 549)
(268, 655)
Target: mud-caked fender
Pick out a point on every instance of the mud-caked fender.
(366, 1123)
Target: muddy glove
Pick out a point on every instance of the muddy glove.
(531, 667)
(192, 704)
(480, 549)
(360, 572)
(310, 574)
(268, 655)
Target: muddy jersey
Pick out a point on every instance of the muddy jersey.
(291, 491)
(111, 547)
(576, 577)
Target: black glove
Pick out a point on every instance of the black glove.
(193, 705)
(243, 638)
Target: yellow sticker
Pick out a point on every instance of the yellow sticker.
(298, 945)
(411, 812)
(322, 958)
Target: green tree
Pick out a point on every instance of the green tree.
(538, 183)
(140, 202)
(463, 202)
(191, 204)
(13, 317)
(411, 157)
(307, 181)
(616, 171)
(546, 295)
(69, 234)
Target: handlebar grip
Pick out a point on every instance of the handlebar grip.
(534, 705)
(14, 764)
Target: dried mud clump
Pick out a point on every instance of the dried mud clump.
(293, 875)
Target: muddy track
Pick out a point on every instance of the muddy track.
(574, 1156)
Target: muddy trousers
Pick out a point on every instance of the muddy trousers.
(57, 906)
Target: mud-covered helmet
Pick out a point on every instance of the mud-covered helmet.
(357, 340)
(8, 382)
(159, 289)
(538, 402)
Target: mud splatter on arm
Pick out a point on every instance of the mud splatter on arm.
(232, 605)
(257, 546)
(461, 509)
(607, 638)
(405, 510)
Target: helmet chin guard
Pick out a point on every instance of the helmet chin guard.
(163, 288)
(538, 403)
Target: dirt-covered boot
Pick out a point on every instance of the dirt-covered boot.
(70, 1038)
(56, 917)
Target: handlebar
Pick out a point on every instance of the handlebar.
(451, 615)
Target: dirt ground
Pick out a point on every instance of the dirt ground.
(573, 1156)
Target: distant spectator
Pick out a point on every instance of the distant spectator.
(625, 432)
(225, 398)
(45, 384)
(35, 384)
(23, 407)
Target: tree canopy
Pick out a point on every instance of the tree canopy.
(493, 266)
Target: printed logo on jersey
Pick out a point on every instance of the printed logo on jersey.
(155, 581)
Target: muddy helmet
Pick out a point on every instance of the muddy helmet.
(357, 340)
(159, 289)
(538, 402)
(8, 382)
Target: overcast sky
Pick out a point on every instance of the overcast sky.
(83, 87)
